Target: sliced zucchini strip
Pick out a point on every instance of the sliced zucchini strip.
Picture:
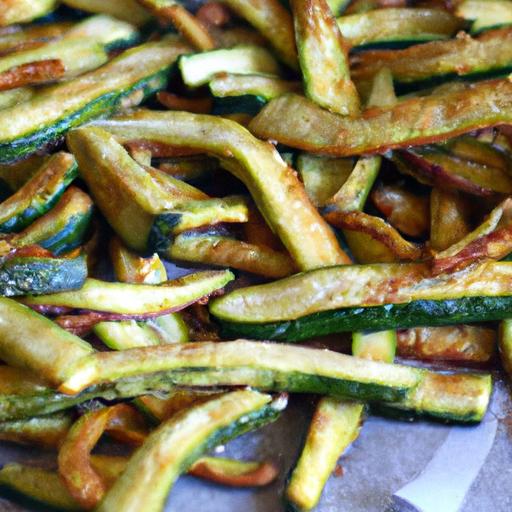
(273, 21)
(127, 10)
(323, 58)
(505, 345)
(42, 487)
(29, 126)
(397, 26)
(42, 431)
(63, 228)
(290, 368)
(24, 273)
(469, 343)
(39, 193)
(440, 61)
(228, 252)
(177, 443)
(273, 185)
(344, 305)
(486, 14)
(199, 68)
(29, 340)
(414, 121)
(138, 299)
(491, 239)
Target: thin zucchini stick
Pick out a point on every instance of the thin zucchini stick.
(172, 447)
(32, 73)
(335, 425)
(229, 252)
(449, 219)
(323, 58)
(273, 21)
(127, 10)
(273, 185)
(40, 431)
(29, 340)
(382, 93)
(185, 22)
(417, 120)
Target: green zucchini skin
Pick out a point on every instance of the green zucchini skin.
(103, 104)
(244, 104)
(389, 316)
(36, 276)
(44, 189)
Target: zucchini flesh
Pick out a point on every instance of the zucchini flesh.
(138, 299)
(199, 68)
(22, 275)
(41, 487)
(129, 334)
(52, 111)
(46, 431)
(323, 58)
(360, 286)
(335, 425)
(39, 193)
(485, 15)
(127, 10)
(428, 302)
(228, 252)
(177, 443)
(273, 21)
(274, 187)
(413, 121)
(451, 343)
(440, 61)
(397, 26)
(12, 97)
(148, 207)
(110, 32)
(76, 55)
(25, 10)
(299, 368)
(390, 316)
(51, 356)
(323, 176)
(63, 228)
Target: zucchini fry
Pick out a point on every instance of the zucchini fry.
(323, 58)
(418, 120)
(24, 10)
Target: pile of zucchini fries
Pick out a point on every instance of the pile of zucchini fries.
(328, 170)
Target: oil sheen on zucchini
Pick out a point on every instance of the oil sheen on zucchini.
(177, 443)
(355, 298)
(51, 112)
